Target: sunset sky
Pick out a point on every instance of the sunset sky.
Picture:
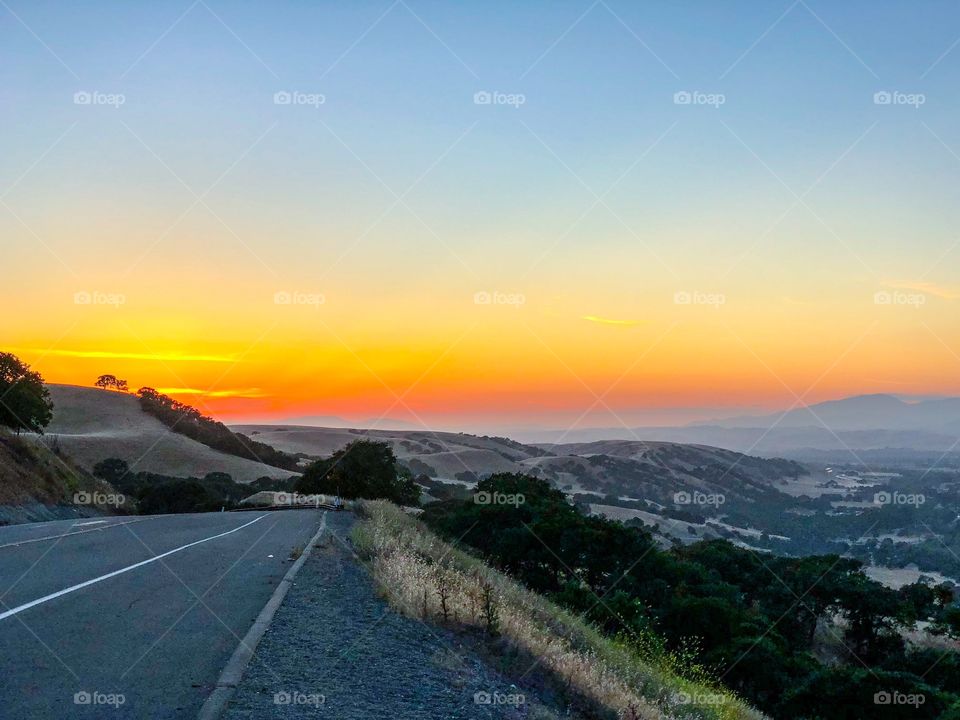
(484, 215)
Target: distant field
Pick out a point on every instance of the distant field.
(678, 529)
(898, 577)
(91, 424)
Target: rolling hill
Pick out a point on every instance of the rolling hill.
(647, 471)
(90, 425)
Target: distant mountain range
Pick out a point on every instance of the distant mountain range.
(874, 428)
(868, 428)
(335, 421)
(861, 412)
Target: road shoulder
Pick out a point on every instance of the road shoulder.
(335, 649)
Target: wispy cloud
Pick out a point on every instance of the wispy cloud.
(928, 288)
(108, 354)
(239, 393)
(610, 321)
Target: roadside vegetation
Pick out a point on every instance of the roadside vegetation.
(750, 619)
(24, 400)
(33, 472)
(535, 640)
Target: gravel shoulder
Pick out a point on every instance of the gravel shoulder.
(335, 649)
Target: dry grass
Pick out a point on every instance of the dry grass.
(425, 577)
(91, 425)
(32, 472)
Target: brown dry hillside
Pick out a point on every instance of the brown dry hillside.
(650, 471)
(446, 453)
(37, 483)
(33, 473)
(91, 425)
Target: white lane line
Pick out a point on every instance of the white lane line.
(92, 522)
(75, 532)
(80, 586)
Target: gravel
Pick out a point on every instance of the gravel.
(336, 650)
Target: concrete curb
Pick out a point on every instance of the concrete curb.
(226, 685)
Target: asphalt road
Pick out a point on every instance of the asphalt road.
(133, 617)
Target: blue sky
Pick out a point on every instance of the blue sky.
(598, 196)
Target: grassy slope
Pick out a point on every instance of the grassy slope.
(30, 472)
(412, 565)
(92, 425)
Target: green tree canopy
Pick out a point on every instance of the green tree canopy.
(113, 470)
(362, 469)
(24, 400)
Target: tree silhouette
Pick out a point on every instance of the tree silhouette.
(111, 381)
